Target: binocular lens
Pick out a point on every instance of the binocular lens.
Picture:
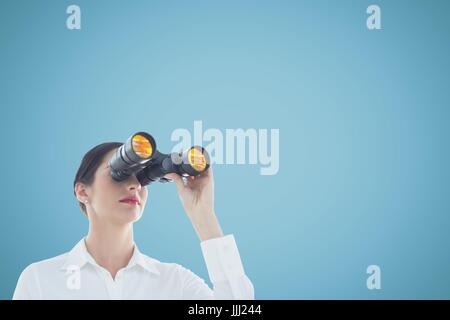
(132, 156)
(196, 159)
(142, 146)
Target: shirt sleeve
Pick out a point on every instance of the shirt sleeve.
(225, 272)
(27, 287)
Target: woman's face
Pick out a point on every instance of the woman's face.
(109, 200)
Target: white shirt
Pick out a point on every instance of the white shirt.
(76, 275)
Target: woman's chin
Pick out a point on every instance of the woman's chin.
(129, 215)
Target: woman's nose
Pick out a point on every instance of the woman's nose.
(133, 183)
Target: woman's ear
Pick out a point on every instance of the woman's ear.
(80, 192)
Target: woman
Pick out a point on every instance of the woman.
(107, 264)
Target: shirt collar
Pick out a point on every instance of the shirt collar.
(78, 257)
(143, 261)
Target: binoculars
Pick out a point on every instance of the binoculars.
(138, 156)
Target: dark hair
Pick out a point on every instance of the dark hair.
(90, 163)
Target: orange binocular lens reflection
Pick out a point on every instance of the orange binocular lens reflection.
(142, 146)
(196, 159)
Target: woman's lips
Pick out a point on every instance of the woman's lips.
(130, 201)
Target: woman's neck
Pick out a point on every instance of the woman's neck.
(111, 246)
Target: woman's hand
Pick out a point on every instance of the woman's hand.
(197, 198)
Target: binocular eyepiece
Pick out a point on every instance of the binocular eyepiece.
(139, 156)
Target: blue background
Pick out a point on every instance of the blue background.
(363, 118)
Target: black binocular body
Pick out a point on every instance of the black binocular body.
(139, 156)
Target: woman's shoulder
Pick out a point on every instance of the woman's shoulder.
(28, 284)
(46, 265)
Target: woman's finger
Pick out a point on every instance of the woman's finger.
(177, 179)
